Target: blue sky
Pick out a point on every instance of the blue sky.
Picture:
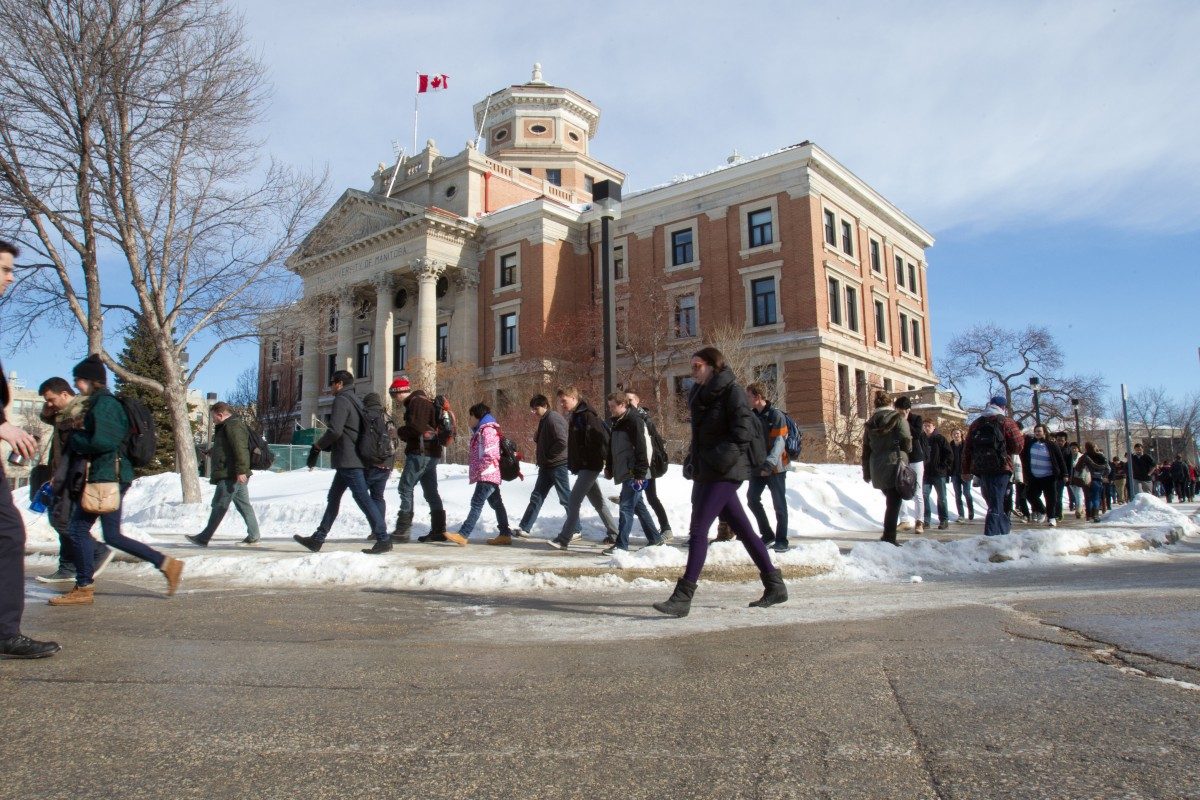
(1050, 148)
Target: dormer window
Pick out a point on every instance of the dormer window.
(573, 136)
(500, 135)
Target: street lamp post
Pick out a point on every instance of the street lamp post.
(607, 196)
(1075, 408)
(210, 398)
(1037, 407)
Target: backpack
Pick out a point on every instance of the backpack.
(140, 443)
(906, 481)
(988, 448)
(446, 425)
(795, 438)
(658, 450)
(261, 457)
(510, 460)
(374, 445)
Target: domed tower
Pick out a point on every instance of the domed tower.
(544, 131)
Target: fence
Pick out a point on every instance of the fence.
(294, 456)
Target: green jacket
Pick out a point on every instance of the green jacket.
(887, 441)
(105, 427)
(230, 450)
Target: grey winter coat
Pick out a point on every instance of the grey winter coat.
(887, 442)
(629, 448)
(551, 439)
(342, 437)
(727, 438)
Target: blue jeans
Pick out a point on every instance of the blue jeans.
(560, 478)
(776, 483)
(110, 527)
(1095, 492)
(994, 487)
(423, 470)
(489, 493)
(943, 508)
(354, 479)
(377, 478)
(632, 503)
(962, 488)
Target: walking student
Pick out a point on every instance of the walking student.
(587, 448)
(484, 472)
(422, 452)
(230, 459)
(939, 460)
(13, 643)
(1143, 472)
(341, 439)
(1096, 465)
(992, 441)
(378, 469)
(651, 493)
(772, 473)
(629, 466)
(550, 447)
(916, 459)
(887, 441)
(962, 483)
(726, 442)
(96, 451)
(61, 409)
(1044, 467)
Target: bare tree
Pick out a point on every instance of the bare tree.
(126, 138)
(1185, 418)
(654, 340)
(844, 432)
(244, 396)
(1149, 411)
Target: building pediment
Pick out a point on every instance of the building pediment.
(355, 217)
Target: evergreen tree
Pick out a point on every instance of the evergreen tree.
(140, 357)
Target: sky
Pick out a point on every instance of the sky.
(1049, 147)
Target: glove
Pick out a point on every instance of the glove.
(638, 484)
(313, 455)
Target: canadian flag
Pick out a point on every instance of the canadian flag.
(430, 83)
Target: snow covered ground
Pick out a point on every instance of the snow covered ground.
(835, 514)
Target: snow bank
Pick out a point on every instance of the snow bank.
(1145, 510)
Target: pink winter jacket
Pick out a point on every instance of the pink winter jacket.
(485, 453)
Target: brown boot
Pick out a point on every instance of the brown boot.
(724, 533)
(78, 596)
(457, 538)
(172, 568)
(502, 539)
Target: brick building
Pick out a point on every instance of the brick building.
(490, 260)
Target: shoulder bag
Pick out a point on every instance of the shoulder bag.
(102, 497)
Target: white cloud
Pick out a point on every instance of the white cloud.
(964, 114)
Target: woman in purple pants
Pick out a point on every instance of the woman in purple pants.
(726, 440)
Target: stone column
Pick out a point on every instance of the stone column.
(384, 327)
(310, 365)
(345, 331)
(464, 325)
(427, 271)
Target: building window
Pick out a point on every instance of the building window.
(330, 366)
(273, 395)
(904, 342)
(686, 318)
(681, 247)
(589, 183)
(762, 292)
(759, 224)
(443, 342)
(852, 308)
(860, 392)
(876, 262)
(916, 337)
(887, 385)
(275, 352)
(554, 177)
(912, 278)
(333, 319)
(843, 389)
(899, 272)
(835, 301)
(508, 269)
(847, 238)
(618, 260)
(830, 229)
(399, 352)
(362, 360)
(880, 322)
(526, 170)
(508, 334)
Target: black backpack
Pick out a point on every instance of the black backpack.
(988, 448)
(658, 450)
(510, 460)
(261, 457)
(374, 445)
(140, 444)
(794, 443)
(444, 429)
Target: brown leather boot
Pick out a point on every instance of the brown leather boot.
(724, 533)
(172, 568)
(78, 596)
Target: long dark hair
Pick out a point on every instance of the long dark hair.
(711, 356)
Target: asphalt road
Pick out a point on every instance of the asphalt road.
(1076, 682)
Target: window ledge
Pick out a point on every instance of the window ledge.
(502, 358)
(773, 247)
(773, 328)
(840, 253)
(513, 287)
(693, 265)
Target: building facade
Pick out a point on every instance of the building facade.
(489, 261)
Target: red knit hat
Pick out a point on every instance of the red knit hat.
(401, 384)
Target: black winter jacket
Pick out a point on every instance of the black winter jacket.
(920, 442)
(1143, 466)
(345, 423)
(939, 458)
(726, 436)
(1056, 458)
(551, 440)
(587, 440)
(629, 448)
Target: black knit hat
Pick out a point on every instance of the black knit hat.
(91, 369)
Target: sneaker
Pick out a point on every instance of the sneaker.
(577, 535)
(23, 647)
(780, 547)
(61, 575)
(659, 543)
(197, 539)
(608, 551)
(943, 526)
(1052, 524)
(248, 540)
(103, 559)
(521, 533)
(556, 544)
(667, 535)
(308, 542)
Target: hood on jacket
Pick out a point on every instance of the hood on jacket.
(884, 420)
(994, 411)
(486, 419)
(373, 400)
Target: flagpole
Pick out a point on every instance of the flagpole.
(483, 122)
(416, 111)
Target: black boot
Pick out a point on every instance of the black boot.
(437, 528)
(403, 527)
(776, 591)
(309, 542)
(680, 602)
(380, 546)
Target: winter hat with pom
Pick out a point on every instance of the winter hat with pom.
(91, 369)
